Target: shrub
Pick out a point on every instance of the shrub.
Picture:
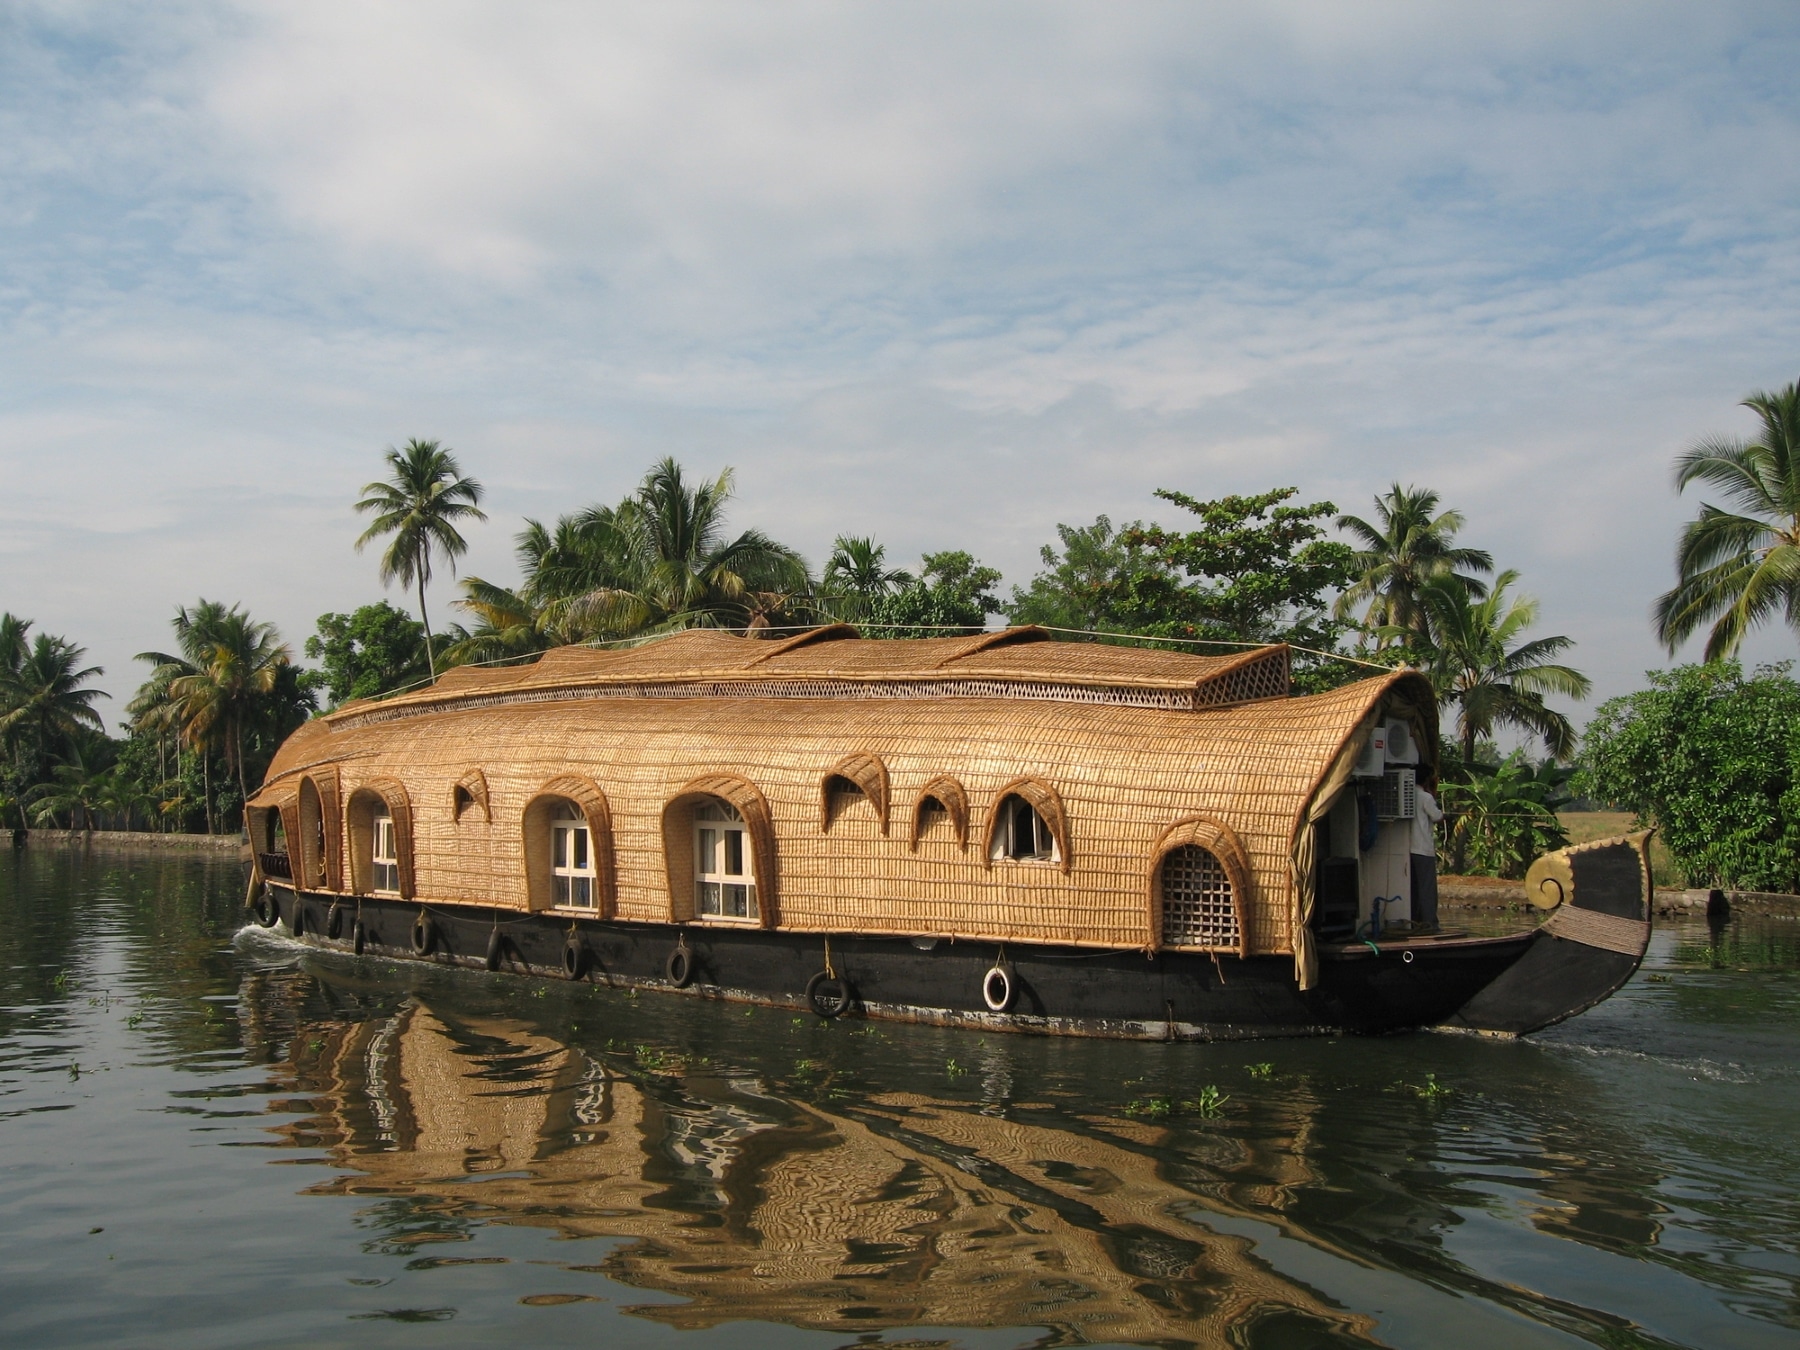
(1712, 758)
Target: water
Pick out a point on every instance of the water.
(210, 1138)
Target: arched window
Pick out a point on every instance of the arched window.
(851, 782)
(724, 884)
(1028, 825)
(943, 805)
(384, 857)
(380, 820)
(571, 857)
(1023, 834)
(569, 847)
(1201, 888)
(470, 794)
(1199, 907)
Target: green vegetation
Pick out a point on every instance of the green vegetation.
(374, 651)
(1712, 757)
(419, 504)
(1740, 568)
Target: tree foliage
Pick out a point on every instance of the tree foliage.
(1740, 568)
(420, 503)
(1499, 818)
(376, 650)
(1410, 544)
(954, 594)
(1712, 758)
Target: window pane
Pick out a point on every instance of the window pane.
(736, 902)
(559, 853)
(581, 891)
(560, 889)
(734, 853)
(709, 851)
(580, 842)
(708, 897)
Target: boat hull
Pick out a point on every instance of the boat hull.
(1056, 990)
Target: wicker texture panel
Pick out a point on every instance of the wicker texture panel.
(1123, 775)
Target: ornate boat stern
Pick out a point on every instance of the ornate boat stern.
(1600, 899)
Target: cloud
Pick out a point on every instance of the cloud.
(945, 274)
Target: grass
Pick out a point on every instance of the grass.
(1588, 825)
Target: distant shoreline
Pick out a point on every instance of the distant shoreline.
(134, 839)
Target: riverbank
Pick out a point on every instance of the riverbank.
(1490, 894)
(132, 839)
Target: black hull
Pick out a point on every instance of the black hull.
(1056, 990)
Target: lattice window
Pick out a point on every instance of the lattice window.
(384, 858)
(1197, 904)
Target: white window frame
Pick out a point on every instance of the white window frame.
(721, 838)
(384, 855)
(1043, 849)
(572, 873)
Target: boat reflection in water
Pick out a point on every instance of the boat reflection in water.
(894, 1210)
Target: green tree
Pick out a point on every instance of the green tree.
(376, 650)
(676, 566)
(1712, 759)
(420, 503)
(1102, 581)
(1265, 568)
(1740, 567)
(1479, 666)
(1410, 542)
(953, 594)
(79, 787)
(43, 706)
(231, 677)
(857, 576)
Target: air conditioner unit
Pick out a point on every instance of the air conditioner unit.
(1398, 796)
(1400, 746)
(1374, 756)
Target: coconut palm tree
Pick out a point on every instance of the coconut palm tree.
(42, 703)
(1479, 666)
(420, 503)
(679, 569)
(1740, 567)
(215, 689)
(1410, 544)
(857, 575)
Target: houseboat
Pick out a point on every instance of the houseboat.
(998, 830)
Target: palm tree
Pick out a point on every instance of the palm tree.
(1492, 682)
(1740, 567)
(510, 628)
(857, 575)
(679, 570)
(217, 687)
(419, 504)
(1409, 546)
(42, 703)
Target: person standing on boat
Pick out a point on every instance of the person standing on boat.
(1426, 814)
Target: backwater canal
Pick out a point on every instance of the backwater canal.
(209, 1138)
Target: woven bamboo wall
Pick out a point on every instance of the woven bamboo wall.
(1124, 774)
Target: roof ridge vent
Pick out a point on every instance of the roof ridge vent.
(1004, 637)
(831, 632)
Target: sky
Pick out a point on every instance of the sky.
(944, 274)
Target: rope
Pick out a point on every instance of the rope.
(830, 974)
